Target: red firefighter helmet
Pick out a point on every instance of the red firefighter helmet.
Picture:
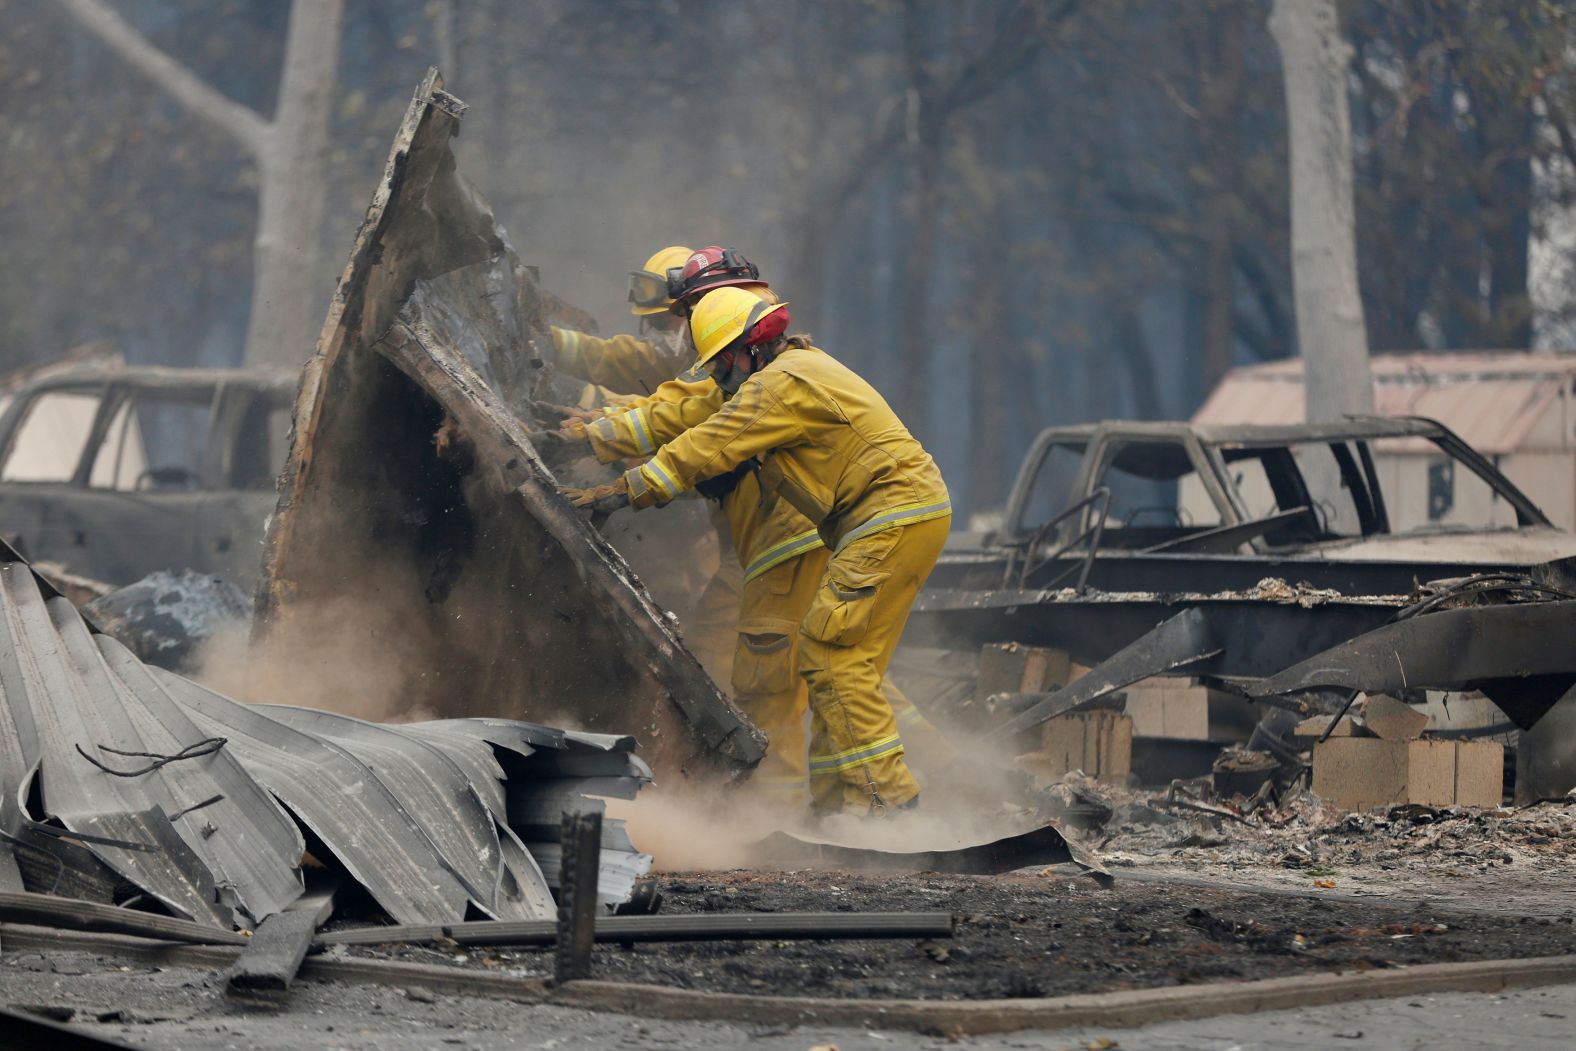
(710, 267)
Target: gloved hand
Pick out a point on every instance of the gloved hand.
(555, 445)
(575, 429)
(604, 498)
(548, 410)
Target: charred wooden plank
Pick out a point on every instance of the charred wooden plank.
(269, 963)
(726, 926)
(49, 911)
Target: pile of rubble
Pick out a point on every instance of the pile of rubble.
(1304, 840)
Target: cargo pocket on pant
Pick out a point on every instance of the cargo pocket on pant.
(840, 614)
(763, 663)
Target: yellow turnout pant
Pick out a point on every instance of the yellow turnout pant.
(766, 682)
(847, 640)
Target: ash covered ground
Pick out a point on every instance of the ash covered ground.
(1197, 898)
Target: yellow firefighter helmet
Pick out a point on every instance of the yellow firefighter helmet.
(648, 286)
(722, 316)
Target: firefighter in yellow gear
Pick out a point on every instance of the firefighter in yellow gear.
(784, 561)
(829, 445)
(624, 367)
(779, 552)
(630, 364)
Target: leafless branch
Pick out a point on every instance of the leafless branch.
(1018, 40)
(239, 122)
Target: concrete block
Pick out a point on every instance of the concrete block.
(1431, 772)
(1480, 773)
(1358, 773)
(1169, 707)
(1312, 728)
(1390, 719)
(1015, 668)
(1100, 743)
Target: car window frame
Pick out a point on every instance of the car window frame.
(20, 410)
(1103, 450)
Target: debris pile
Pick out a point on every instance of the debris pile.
(1307, 839)
(166, 617)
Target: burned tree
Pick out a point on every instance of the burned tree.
(290, 151)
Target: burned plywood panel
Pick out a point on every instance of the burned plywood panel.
(417, 529)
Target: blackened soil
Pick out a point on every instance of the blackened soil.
(1030, 935)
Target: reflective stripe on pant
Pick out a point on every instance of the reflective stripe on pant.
(847, 640)
(766, 684)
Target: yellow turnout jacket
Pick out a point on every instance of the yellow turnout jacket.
(623, 364)
(827, 443)
(765, 533)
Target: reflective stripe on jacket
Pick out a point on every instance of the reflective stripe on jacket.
(765, 533)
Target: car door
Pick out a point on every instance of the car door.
(46, 432)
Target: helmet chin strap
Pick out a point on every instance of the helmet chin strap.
(734, 378)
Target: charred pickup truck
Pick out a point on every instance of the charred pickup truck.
(1239, 552)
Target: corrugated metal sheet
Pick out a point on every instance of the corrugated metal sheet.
(417, 814)
(1491, 400)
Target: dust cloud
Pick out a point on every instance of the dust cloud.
(358, 653)
(965, 799)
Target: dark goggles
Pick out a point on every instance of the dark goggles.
(647, 289)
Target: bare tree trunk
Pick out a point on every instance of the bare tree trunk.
(1000, 358)
(288, 300)
(1330, 330)
(290, 152)
(915, 331)
(922, 132)
(1223, 120)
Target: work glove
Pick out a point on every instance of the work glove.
(553, 412)
(575, 429)
(603, 499)
(559, 444)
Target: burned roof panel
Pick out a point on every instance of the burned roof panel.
(70, 709)
(172, 793)
(446, 803)
(412, 482)
(341, 800)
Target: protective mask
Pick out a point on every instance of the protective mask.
(729, 382)
(673, 343)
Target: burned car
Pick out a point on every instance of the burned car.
(115, 473)
(1238, 553)
(1165, 507)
